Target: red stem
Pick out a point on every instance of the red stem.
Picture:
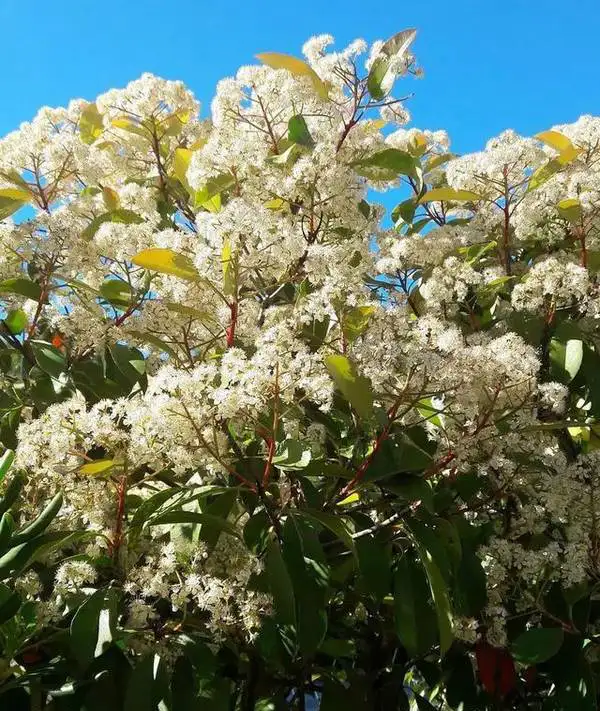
(230, 331)
(361, 471)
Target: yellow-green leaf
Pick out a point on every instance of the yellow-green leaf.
(570, 209)
(90, 124)
(228, 263)
(560, 143)
(128, 123)
(297, 67)
(166, 261)
(111, 199)
(12, 199)
(354, 387)
(99, 466)
(181, 162)
(355, 321)
(449, 194)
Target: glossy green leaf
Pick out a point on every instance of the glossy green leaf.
(94, 626)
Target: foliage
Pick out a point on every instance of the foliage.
(268, 448)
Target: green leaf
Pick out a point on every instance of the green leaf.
(305, 563)
(437, 584)
(537, 645)
(175, 517)
(148, 688)
(6, 461)
(117, 292)
(381, 78)
(297, 67)
(22, 286)
(298, 131)
(90, 123)
(48, 358)
(449, 194)
(16, 321)
(566, 357)
(280, 585)
(213, 187)
(166, 261)
(413, 614)
(354, 387)
(94, 625)
(11, 200)
(41, 522)
(405, 211)
(335, 523)
(291, 454)
(122, 216)
(387, 164)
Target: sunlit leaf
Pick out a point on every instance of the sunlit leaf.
(166, 261)
(297, 67)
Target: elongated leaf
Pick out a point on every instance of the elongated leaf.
(570, 209)
(171, 517)
(280, 585)
(22, 286)
(94, 625)
(450, 194)
(297, 67)
(354, 387)
(298, 131)
(381, 78)
(387, 164)
(181, 163)
(437, 584)
(49, 358)
(560, 143)
(97, 467)
(166, 261)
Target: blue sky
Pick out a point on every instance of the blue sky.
(520, 64)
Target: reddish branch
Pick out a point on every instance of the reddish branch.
(230, 331)
(362, 470)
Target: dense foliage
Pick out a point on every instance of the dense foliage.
(270, 451)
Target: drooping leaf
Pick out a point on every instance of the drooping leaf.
(97, 467)
(48, 358)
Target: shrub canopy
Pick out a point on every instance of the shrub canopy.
(274, 444)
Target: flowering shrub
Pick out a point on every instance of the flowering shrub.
(268, 448)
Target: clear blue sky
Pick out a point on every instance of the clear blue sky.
(524, 64)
